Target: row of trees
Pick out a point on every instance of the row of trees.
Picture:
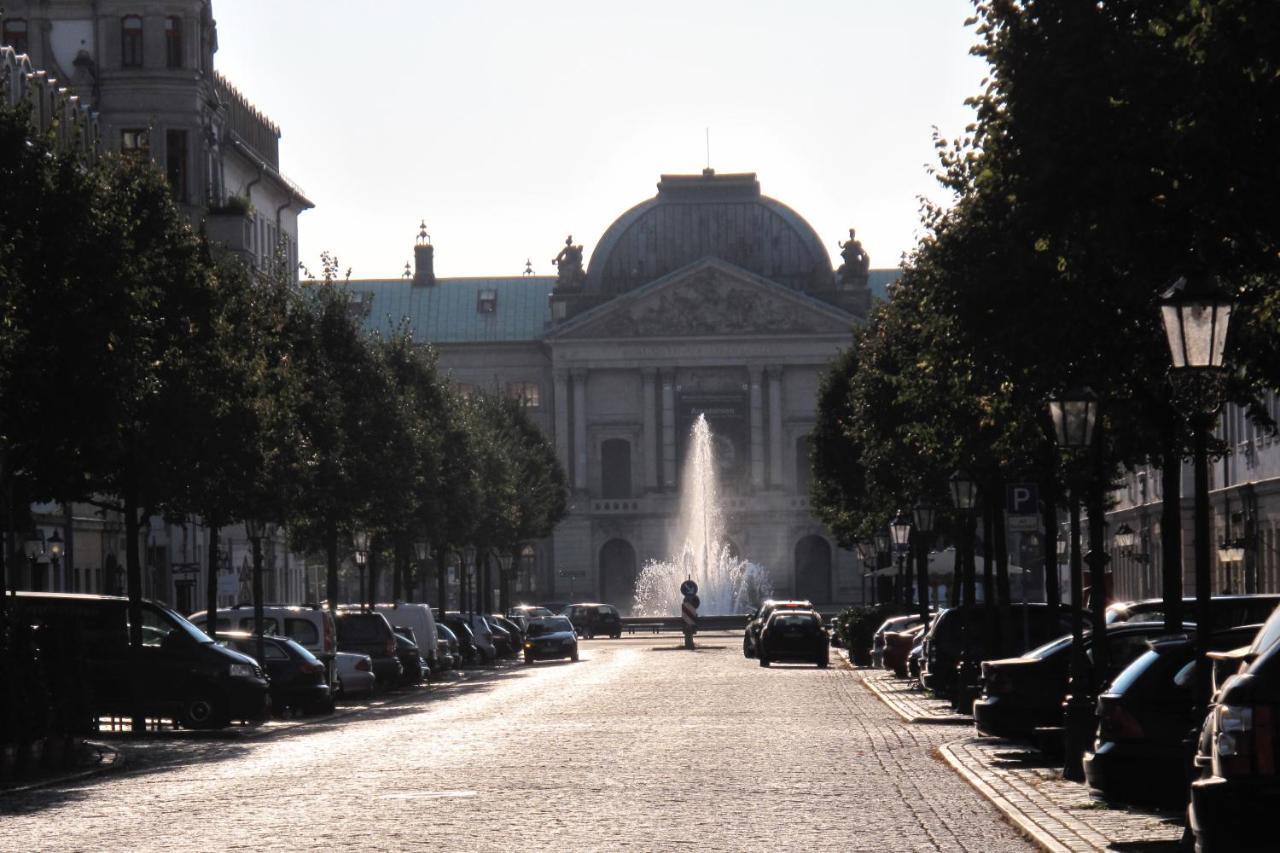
(1116, 146)
(141, 372)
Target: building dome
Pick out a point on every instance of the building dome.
(698, 216)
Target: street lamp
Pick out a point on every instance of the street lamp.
(1075, 415)
(55, 561)
(1196, 313)
(1126, 537)
(964, 495)
(900, 531)
(925, 515)
(468, 573)
(254, 530)
(360, 544)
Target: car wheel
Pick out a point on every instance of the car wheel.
(201, 711)
(617, 636)
(823, 663)
(574, 656)
(528, 658)
(764, 661)
(746, 649)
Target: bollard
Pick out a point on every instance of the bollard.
(689, 611)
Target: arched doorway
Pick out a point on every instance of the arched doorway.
(813, 570)
(618, 574)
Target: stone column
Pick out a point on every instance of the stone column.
(669, 430)
(775, 427)
(649, 440)
(580, 430)
(757, 428)
(562, 417)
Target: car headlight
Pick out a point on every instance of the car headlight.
(242, 670)
(528, 645)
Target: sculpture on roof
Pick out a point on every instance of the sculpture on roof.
(568, 264)
(855, 271)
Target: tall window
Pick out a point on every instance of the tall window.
(131, 41)
(173, 42)
(175, 161)
(615, 468)
(526, 392)
(136, 143)
(15, 35)
(487, 301)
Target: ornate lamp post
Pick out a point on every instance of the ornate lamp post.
(1196, 313)
(964, 496)
(360, 544)
(421, 550)
(55, 560)
(884, 547)
(900, 531)
(254, 530)
(1075, 417)
(924, 515)
(467, 600)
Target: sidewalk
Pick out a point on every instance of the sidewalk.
(98, 758)
(1059, 816)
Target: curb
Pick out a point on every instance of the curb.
(110, 760)
(907, 715)
(1020, 819)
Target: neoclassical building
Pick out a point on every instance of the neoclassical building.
(708, 298)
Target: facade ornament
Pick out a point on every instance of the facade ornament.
(568, 264)
(855, 271)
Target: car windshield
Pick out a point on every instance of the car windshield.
(552, 625)
(1049, 648)
(1131, 673)
(794, 620)
(184, 626)
(1268, 636)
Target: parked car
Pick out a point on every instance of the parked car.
(513, 628)
(1232, 801)
(1228, 610)
(467, 647)
(355, 674)
(299, 681)
(898, 646)
(757, 618)
(522, 613)
(370, 634)
(420, 618)
(450, 649)
(895, 623)
(414, 669)
(182, 674)
(550, 637)
(309, 625)
(794, 635)
(592, 620)
(1144, 716)
(946, 640)
(1021, 694)
(504, 643)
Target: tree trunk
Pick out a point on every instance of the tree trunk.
(922, 578)
(211, 585)
(1001, 542)
(1171, 531)
(397, 569)
(442, 580)
(331, 566)
(133, 579)
(988, 571)
(370, 593)
(1049, 517)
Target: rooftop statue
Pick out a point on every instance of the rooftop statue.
(855, 270)
(569, 266)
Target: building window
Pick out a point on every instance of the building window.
(615, 468)
(15, 35)
(135, 143)
(526, 392)
(131, 41)
(487, 301)
(175, 159)
(173, 42)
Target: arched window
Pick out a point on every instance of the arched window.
(131, 41)
(618, 574)
(813, 570)
(173, 42)
(15, 35)
(615, 468)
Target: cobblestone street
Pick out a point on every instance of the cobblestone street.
(639, 746)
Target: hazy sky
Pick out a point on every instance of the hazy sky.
(508, 125)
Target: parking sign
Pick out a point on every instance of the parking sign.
(1022, 502)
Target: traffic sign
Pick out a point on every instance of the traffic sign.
(689, 587)
(1022, 499)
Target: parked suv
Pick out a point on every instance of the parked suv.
(370, 634)
(590, 620)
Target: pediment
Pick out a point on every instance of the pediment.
(709, 298)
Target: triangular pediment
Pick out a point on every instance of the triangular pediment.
(707, 298)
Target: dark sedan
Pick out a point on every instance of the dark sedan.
(550, 638)
(756, 620)
(298, 680)
(1024, 693)
(794, 635)
(1143, 721)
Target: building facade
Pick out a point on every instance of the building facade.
(709, 298)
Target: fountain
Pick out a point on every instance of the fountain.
(726, 583)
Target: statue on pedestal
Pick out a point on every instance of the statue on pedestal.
(568, 264)
(855, 271)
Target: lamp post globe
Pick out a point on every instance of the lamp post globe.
(55, 546)
(964, 490)
(900, 531)
(1075, 415)
(1125, 536)
(1196, 313)
(924, 515)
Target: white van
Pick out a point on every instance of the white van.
(309, 625)
(421, 620)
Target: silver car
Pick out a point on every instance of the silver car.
(355, 674)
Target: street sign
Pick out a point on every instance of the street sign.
(1022, 499)
(689, 587)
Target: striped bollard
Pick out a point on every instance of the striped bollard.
(689, 611)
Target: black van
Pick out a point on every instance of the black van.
(179, 673)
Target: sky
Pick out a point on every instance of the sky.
(509, 125)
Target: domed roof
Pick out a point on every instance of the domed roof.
(709, 215)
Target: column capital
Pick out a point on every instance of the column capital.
(754, 371)
(774, 371)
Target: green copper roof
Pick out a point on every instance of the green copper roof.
(449, 311)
